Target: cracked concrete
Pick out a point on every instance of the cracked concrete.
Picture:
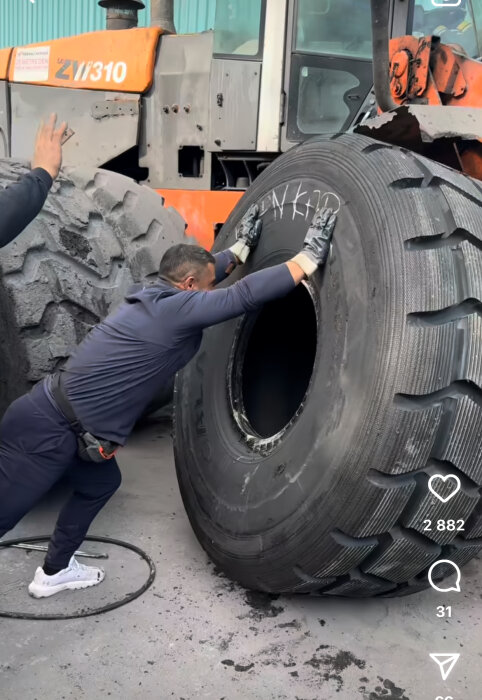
(195, 634)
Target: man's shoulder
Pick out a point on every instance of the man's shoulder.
(151, 293)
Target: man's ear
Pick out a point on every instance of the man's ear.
(189, 283)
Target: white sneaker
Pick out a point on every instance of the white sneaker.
(73, 577)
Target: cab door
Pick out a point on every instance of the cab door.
(329, 67)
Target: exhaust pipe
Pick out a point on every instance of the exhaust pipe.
(122, 14)
(381, 56)
(162, 15)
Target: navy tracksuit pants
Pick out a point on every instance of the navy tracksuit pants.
(37, 447)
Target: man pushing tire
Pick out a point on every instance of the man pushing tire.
(73, 422)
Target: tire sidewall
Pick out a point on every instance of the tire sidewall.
(234, 492)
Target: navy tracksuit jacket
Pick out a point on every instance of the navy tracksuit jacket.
(20, 203)
(110, 379)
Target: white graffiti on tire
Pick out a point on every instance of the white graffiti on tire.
(296, 203)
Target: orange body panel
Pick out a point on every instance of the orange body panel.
(4, 61)
(407, 83)
(449, 73)
(121, 61)
(458, 78)
(405, 52)
(441, 74)
(202, 210)
(472, 161)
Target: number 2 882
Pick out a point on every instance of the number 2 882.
(444, 525)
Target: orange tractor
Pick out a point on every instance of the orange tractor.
(198, 117)
(306, 436)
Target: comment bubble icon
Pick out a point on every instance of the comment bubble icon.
(440, 586)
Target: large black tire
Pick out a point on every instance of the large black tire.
(98, 233)
(305, 436)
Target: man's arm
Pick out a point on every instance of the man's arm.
(21, 202)
(202, 309)
(226, 261)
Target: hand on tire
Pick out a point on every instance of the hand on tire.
(247, 233)
(317, 242)
(250, 227)
(318, 239)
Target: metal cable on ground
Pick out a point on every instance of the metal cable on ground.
(95, 611)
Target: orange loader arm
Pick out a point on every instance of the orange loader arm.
(424, 71)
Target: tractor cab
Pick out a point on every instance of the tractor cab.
(238, 28)
(458, 24)
(199, 116)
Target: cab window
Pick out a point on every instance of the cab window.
(237, 27)
(454, 24)
(331, 70)
(334, 27)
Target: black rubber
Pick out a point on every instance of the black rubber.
(330, 496)
(95, 611)
(98, 233)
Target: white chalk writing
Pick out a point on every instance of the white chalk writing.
(304, 201)
(277, 204)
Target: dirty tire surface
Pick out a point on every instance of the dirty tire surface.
(98, 233)
(331, 497)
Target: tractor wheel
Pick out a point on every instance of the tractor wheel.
(98, 233)
(306, 434)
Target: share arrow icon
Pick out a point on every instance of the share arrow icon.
(446, 663)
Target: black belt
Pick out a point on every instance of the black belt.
(90, 448)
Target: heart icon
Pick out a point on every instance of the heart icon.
(449, 477)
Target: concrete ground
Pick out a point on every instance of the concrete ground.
(195, 634)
